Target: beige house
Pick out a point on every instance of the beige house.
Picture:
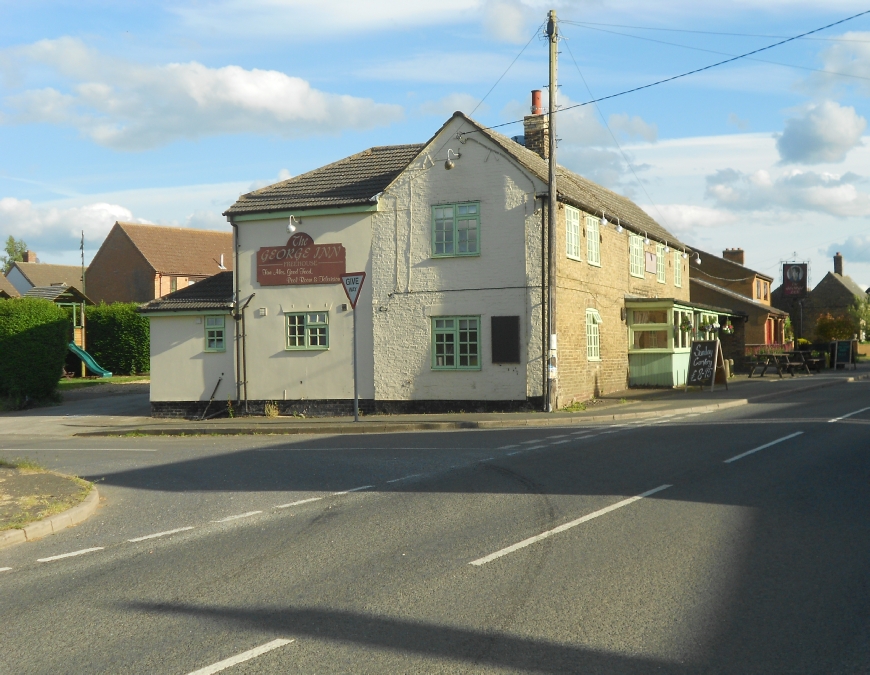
(29, 274)
(452, 313)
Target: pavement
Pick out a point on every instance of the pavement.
(96, 413)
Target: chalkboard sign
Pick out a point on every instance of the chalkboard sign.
(705, 359)
(844, 351)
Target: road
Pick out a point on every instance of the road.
(605, 549)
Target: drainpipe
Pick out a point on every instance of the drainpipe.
(236, 327)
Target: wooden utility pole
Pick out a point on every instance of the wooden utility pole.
(552, 212)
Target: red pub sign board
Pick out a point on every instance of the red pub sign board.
(300, 262)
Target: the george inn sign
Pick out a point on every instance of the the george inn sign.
(300, 262)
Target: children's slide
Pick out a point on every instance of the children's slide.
(92, 365)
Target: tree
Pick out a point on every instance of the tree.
(841, 327)
(859, 312)
(14, 253)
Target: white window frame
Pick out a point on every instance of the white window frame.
(593, 335)
(593, 241)
(636, 255)
(572, 233)
(661, 272)
(678, 269)
(312, 327)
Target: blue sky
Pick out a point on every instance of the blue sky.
(165, 112)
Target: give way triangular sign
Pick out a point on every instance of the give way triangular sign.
(352, 283)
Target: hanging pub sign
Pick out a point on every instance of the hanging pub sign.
(300, 262)
(794, 279)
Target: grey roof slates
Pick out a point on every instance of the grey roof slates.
(214, 293)
(736, 296)
(349, 181)
(849, 283)
(55, 291)
(7, 289)
(46, 274)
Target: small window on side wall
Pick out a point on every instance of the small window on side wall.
(505, 335)
(215, 334)
(593, 335)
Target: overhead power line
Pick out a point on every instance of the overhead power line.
(707, 32)
(696, 70)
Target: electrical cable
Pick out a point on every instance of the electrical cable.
(692, 72)
(613, 136)
(713, 51)
(708, 32)
(480, 103)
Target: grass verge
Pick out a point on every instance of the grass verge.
(30, 492)
(81, 382)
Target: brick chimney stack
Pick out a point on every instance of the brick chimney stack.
(536, 127)
(734, 255)
(29, 256)
(838, 264)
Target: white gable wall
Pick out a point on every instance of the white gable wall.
(18, 280)
(410, 286)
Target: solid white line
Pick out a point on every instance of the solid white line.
(589, 436)
(566, 526)
(344, 492)
(488, 459)
(241, 658)
(560, 436)
(5, 569)
(241, 515)
(534, 447)
(559, 442)
(537, 440)
(301, 501)
(837, 419)
(413, 475)
(161, 534)
(70, 555)
(506, 447)
(762, 447)
(516, 452)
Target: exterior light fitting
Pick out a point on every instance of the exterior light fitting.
(603, 220)
(697, 259)
(667, 248)
(449, 164)
(645, 239)
(618, 225)
(292, 223)
(685, 255)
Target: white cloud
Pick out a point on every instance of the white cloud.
(795, 190)
(687, 218)
(734, 120)
(633, 127)
(50, 230)
(452, 68)
(855, 248)
(849, 57)
(451, 103)
(132, 107)
(825, 133)
(508, 20)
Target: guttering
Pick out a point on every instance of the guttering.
(285, 213)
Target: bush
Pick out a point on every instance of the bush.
(118, 338)
(34, 335)
(830, 327)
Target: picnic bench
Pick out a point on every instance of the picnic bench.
(789, 362)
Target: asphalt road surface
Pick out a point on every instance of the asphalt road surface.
(730, 542)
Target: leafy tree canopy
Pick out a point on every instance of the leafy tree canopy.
(15, 250)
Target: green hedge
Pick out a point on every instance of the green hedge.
(34, 335)
(118, 338)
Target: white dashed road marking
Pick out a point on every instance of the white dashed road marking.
(241, 515)
(161, 534)
(357, 489)
(70, 555)
(762, 447)
(301, 501)
(413, 475)
(5, 569)
(566, 526)
(837, 419)
(241, 658)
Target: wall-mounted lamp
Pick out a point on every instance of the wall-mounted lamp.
(618, 225)
(697, 259)
(645, 239)
(667, 248)
(603, 220)
(449, 164)
(685, 255)
(292, 223)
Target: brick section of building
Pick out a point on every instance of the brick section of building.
(582, 286)
(138, 263)
(729, 272)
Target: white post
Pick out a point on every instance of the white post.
(355, 391)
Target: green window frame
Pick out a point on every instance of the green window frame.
(593, 241)
(215, 334)
(661, 274)
(456, 230)
(456, 343)
(306, 331)
(635, 254)
(593, 335)
(678, 270)
(572, 233)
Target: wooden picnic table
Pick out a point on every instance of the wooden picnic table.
(788, 361)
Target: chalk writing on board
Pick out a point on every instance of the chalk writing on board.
(702, 362)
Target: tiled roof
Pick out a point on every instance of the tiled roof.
(214, 293)
(582, 192)
(849, 283)
(44, 274)
(181, 251)
(732, 296)
(350, 181)
(7, 290)
(740, 271)
(58, 293)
